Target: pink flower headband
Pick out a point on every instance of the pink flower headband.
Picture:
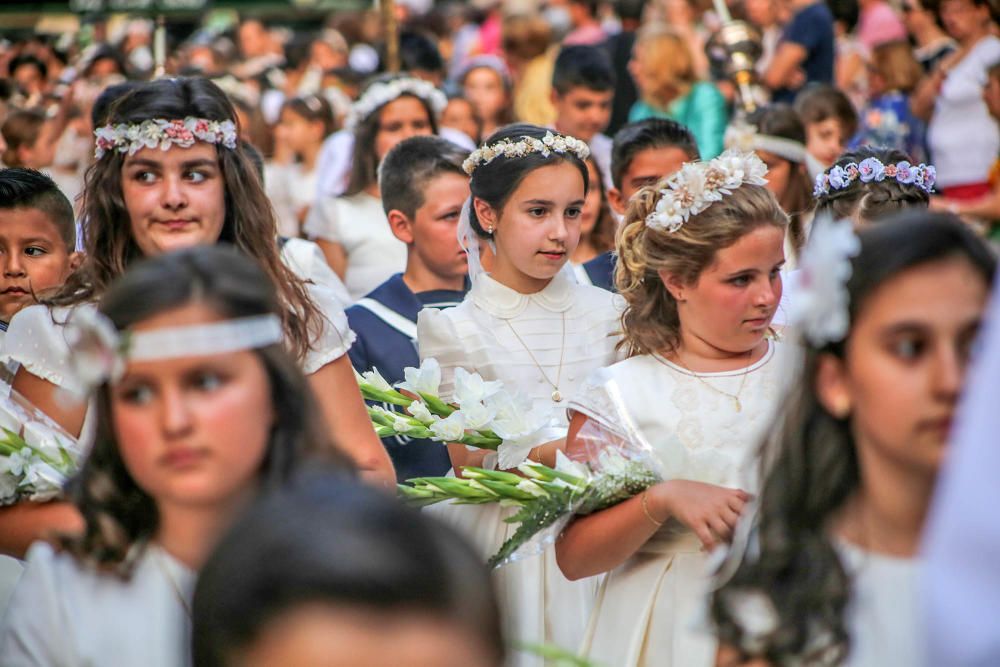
(123, 138)
(872, 169)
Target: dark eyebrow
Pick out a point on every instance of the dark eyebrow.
(189, 164)
(753, 270)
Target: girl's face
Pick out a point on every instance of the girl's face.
(731, 304)
(297, 132)
(404, 117)
(460, 115)
(193, 430)
(591, 211)
(538, 228)
(904, 365)
(779, 171)
(484, 88)
(963, 18)
(174, 198)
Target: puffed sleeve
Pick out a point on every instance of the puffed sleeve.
(35, 339)
(35, 619)
(327, 292)
(438, 338)
(593, 400)
(323, 220)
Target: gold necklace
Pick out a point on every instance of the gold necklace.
(165, 569)
(556, 394)
(735, 398)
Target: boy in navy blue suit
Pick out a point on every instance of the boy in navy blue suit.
(642, 153)
(423, 188)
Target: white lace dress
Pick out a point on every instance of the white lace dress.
(538, 603)
(648, 609)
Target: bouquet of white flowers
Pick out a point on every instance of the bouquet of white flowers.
(484, 415)
(36, 455)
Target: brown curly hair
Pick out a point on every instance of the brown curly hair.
(650, 321)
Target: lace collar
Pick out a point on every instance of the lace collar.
(503, 302)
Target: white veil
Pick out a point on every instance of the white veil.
(469, 240)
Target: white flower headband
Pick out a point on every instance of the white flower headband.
(550, 143)
(381, 93)
(125, 138)
(819, 307)
(746, 138)
(872, 169)
(700, 184)
(99, 351)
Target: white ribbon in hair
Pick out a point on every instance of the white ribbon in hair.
(744, 137)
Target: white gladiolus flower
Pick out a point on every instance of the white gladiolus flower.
(401, 425)
(19, 462)
(570, 467)
(423, 380)
(375, 380)
(421, 413)
(520, 430)
(44, 479)
(529, 486)
(8, 488)
(450, 429)
(42, 438)
(471, 388)
(477, 416)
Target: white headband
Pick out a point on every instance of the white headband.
(100, 352)
(746, 138)
(381, 93)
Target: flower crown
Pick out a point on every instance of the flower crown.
(700, 184)
(550, 143)
(872, 169)
(131, 138)
(745, 137)
(819, 306)
(381, 93)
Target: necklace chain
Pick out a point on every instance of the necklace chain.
(735, 398)
(556, 394)
(165, 568)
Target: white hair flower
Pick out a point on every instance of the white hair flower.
(381, 93)
(550, 143)
(162, 134)
(820, 305)
(700, 184)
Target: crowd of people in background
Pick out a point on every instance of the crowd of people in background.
(573, 198)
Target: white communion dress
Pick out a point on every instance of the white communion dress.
(648, 610)
(481, 335)
(358, 223)
(64, 613)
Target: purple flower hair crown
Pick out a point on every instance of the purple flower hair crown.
(873, 170)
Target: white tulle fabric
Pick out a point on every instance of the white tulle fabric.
(539, 604)
(649, 610)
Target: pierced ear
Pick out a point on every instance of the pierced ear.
(485, 214)
(401, 226)
(673, 284)
(832, 388)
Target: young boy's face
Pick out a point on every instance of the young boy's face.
(33, 258)
(826, 140)
(582, 112)
(646, 168)
(433, 228)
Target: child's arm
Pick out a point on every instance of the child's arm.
(602, 541)
(335, 255)
(27, 522)
(51, 400)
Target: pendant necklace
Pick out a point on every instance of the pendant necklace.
(556, 394)
(735, 398)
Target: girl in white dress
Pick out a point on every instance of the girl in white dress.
(199, 409)
(700, 259)
(291, 182)
(195, 187)
(528, 324)
(352, 229)
(828, 573)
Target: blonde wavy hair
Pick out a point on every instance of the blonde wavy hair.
(664, 63)
(650, 321)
